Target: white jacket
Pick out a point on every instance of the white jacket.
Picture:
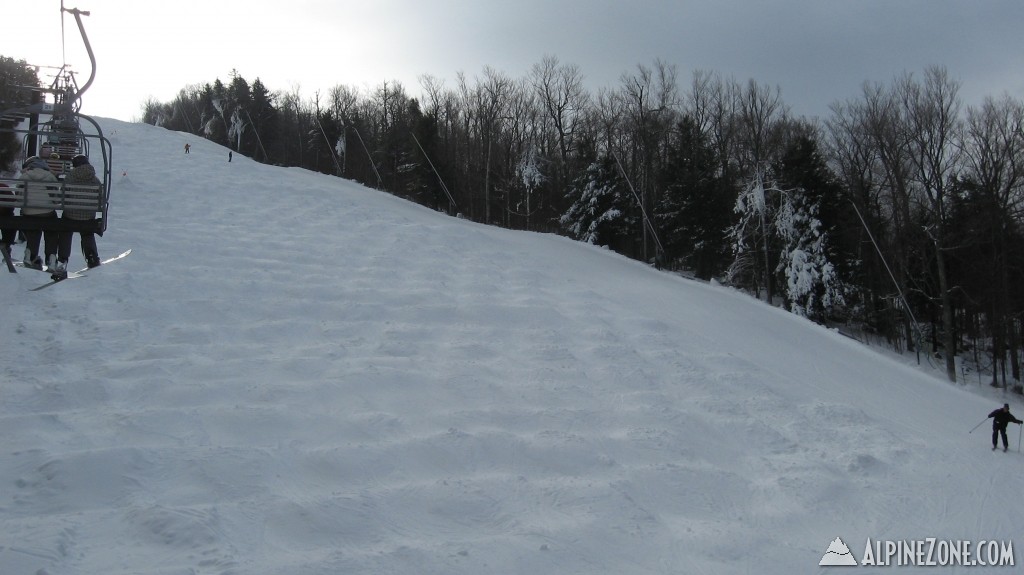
(36, 193)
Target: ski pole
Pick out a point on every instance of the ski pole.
(1019, 429)
(977, 426)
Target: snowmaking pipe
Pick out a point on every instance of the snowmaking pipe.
(899, 290)
(640, 203)
(436, 173)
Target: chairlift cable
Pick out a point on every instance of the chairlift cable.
(63, 41)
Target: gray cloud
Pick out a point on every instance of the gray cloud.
(816, 51)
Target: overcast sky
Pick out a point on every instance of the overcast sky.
(817, 51)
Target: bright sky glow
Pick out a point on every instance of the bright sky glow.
(817, 51)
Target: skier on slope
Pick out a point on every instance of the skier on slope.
(1000, 419)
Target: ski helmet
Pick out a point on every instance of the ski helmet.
(35, 162)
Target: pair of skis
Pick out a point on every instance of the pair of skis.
(78, 273)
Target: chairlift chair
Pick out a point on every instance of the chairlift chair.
(50, 125)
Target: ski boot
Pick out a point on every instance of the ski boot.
(32, 261)
(59, 271)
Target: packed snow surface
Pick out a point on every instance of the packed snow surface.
(294, 374)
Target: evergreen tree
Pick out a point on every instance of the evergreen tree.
(324, 142)
(424, 185)
(529, 179)
(265, 120)
(696, 206)
(599, 211)
(239, 101)
(751, 235)
(812, 286)
(16, 79)
(413, 177)
(215, 119)
(808, 256)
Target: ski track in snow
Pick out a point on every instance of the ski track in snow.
(293, 374)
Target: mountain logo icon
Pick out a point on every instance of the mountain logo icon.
(838, 555)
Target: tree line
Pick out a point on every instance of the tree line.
(898, 216)
(15, 76)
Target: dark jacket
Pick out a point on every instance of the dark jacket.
(84, 174)
(1000, 418)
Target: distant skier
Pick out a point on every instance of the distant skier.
(187, 147)
(1000, 419)
(229, 157)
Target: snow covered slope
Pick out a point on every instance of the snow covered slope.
(293, 374)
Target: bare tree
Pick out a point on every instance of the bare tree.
(559, 88)
(650, 104)
(881, 122)
(714, 105)
(760, 122)
(491, 98)
(932, 110)
(760, 126)
(994, 172)
(855, 157)
(343, 101)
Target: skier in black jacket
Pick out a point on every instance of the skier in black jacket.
(1000, 419)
